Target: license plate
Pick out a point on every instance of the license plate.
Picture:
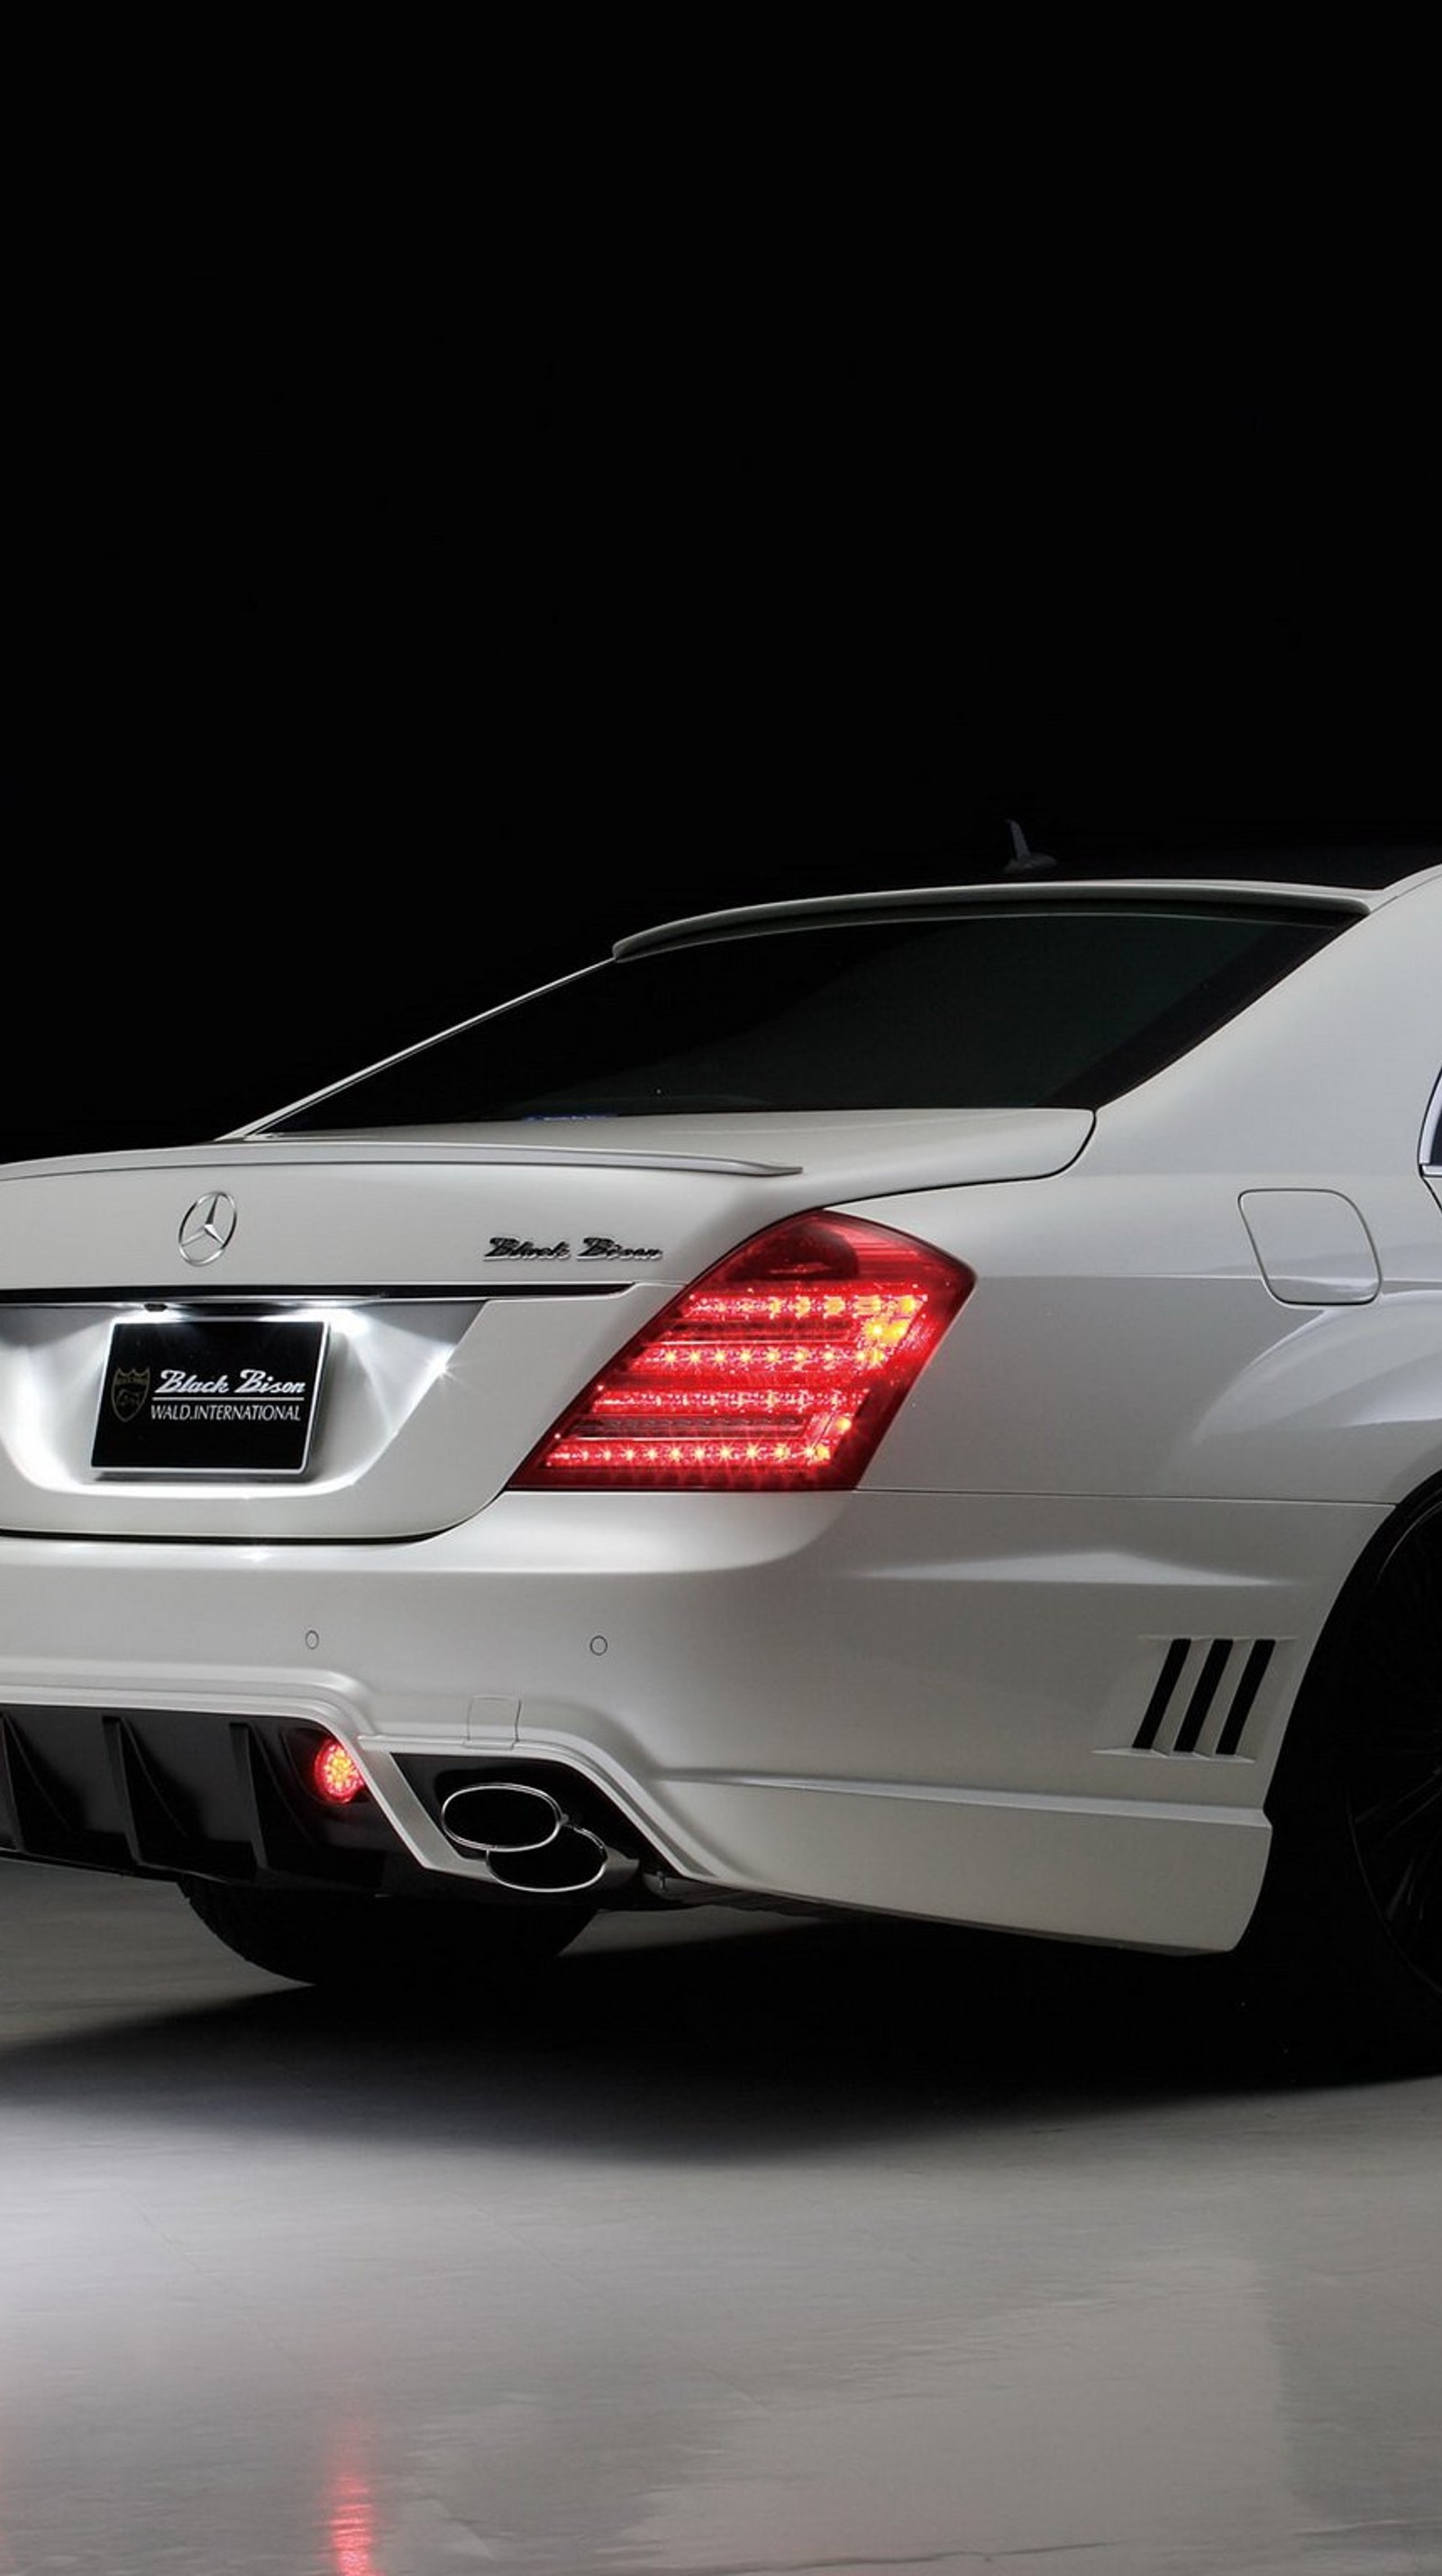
(183, 1397)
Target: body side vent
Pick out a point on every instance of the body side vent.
(1204, 1694)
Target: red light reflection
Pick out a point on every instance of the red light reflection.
(351, 2526)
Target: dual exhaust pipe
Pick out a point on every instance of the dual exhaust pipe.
(528, 1842)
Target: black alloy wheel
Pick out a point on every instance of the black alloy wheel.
(1344, 1953)
(1390, 1753)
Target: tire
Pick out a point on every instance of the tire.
(377, 1946)
(1349, 1927)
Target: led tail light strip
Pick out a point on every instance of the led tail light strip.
(779, 1370)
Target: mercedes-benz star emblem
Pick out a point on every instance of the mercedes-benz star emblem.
(206, 1228)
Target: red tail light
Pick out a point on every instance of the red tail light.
(335, 1774)
(778, 1371)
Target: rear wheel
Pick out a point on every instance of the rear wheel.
(1351, 1914)
(377, 1944)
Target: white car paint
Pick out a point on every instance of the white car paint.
(1034, 1673)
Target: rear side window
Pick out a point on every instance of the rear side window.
(1041, 1005)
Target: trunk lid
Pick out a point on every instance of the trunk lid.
(465, 1285)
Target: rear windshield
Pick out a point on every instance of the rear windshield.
(1042, 1005)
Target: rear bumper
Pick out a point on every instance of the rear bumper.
(1043, 1714)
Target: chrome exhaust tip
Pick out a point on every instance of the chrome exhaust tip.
(489, 1816)
(528, 1842)
(575, 1861)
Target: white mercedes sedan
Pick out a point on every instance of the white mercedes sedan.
(924, 1403)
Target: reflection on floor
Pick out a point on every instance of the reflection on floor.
(740, 2248)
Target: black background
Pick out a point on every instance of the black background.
(363, 688)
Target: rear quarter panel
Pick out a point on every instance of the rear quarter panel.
(1122, 1339)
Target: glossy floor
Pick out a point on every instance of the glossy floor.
(740, 2250)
